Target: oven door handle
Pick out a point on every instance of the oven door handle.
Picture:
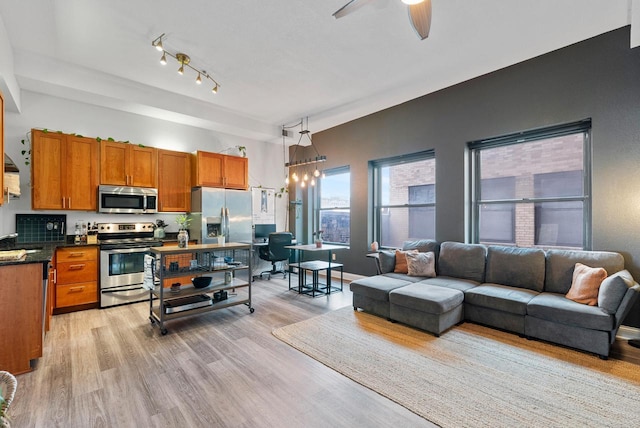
(120, 290)
(127, 250)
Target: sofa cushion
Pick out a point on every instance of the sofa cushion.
(450, 282)
(421, 264)
(613, 289)
(501, 297)
(556, 308)
(401, 261)
(517, 267)
(426, 298)
(376, 287)
(387, 260)
(560, 264)
(464, 261)
(423, 246)
(405, 277)
(585, 284)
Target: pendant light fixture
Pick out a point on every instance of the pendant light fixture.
(185, 61)
(296, 162)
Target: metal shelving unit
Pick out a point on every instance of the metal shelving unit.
(181, 264)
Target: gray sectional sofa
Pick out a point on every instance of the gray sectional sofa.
(521, 290)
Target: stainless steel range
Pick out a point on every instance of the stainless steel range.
(122, 250)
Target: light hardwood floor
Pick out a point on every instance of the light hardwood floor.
(111, 368)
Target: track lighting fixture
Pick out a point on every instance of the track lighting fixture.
(184, 60)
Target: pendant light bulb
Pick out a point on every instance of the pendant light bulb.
(306, 177)
(163, 60)
(302, 184)
(198, 79)
(286, 180)
(295, 177)
(316, 173)
(324, 175)
(313, 181)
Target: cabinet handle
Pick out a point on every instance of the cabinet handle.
(55, 276)
(77, 267)
(76, 289)
(76, 254)
(69, 202)
(63, 205)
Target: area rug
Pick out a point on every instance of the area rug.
(472, 375)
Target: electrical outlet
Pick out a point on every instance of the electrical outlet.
(333, 257)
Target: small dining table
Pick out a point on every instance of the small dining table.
(316, 266)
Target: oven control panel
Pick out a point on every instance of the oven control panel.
(132, 228)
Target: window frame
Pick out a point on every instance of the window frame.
(327, 173)
(476, 147)
(377, 207)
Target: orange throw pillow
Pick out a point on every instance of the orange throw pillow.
(586, 283)
(401, 261)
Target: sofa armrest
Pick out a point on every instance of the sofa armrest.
(630, 297)
(376, 258)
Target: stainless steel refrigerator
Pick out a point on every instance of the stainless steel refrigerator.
(221, 213)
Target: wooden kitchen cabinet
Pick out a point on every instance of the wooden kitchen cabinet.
(64, 171)
(21, 302)
(123, 164)
(218, 170)
(77, 276)
(2, 146)
(174, 181)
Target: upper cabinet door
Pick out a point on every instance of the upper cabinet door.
(125, 164)
(208, 169)
(47, 154)
(81, 170)
(2, 146)
(144, 166)
(174, 181)
(236, 173)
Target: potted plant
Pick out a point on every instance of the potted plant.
(158, 232)
(183, 221)
(318, 239)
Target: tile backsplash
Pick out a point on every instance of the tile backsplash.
(40, 228)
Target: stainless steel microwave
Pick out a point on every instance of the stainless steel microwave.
(127, 200)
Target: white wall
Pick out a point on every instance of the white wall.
(43, 111)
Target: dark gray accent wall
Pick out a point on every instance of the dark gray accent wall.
(598, 78)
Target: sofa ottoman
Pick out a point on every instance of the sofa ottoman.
(372, 294)
(429, 307)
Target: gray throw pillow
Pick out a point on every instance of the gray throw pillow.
(387, 261)
(613, 289)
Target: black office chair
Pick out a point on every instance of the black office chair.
(276, 252)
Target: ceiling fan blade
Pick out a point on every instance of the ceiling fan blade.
(351, 6)
(420, 16)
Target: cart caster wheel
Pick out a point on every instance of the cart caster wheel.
(152, 321)
(164, 331)
(251, 310)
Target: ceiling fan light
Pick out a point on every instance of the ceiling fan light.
(410, 2)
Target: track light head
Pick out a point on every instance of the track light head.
(163, 60)
(198, 79)
(215, 89)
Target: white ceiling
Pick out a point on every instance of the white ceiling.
(279, 60)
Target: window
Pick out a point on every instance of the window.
(404, 199)
(532, 189)
(334, 214)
